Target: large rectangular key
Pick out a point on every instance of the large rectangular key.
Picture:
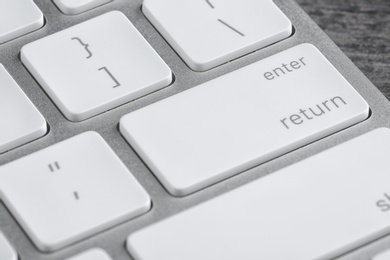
(242, 119)
(316, 209)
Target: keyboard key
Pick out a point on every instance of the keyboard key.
(95, 66)
(78, 6)
(20, 121)
(382, 256)
(18, 17)
(93, 254)
(240, 120)
(319, 208)
(208, 33)
(7, 252)
(70, 191)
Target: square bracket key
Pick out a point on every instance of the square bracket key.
(95, 66)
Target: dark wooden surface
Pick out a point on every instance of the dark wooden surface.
(361, 28)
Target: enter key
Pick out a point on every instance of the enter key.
(242, 119)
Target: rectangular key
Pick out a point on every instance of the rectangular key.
(7, 252)
(385, 255)
(18, 17)
(235, 122)
(208, 33)
(71, 190)
(92, 254)
(95, 66)
(72, 7)
(316, 209)
(20, 121)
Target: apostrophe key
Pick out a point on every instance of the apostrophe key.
(70, 190)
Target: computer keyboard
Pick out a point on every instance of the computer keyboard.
(171, 129)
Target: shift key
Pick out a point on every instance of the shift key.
(316, 209)
(242, 119)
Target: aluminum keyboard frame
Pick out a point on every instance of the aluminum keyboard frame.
(106, 124)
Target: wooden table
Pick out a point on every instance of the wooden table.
(361, 28)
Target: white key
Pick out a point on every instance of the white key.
(78, 6)
(7, 252)
(207, 33)
(242, 119)
(70, 191)
(382, 256)
(95, 66)
(20, 121)
(316, 209)
(93, 254)
(18, 17)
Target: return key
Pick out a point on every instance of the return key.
(242, 119)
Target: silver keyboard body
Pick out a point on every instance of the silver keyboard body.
(106, 124)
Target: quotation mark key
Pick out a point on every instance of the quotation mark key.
(56, 166)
